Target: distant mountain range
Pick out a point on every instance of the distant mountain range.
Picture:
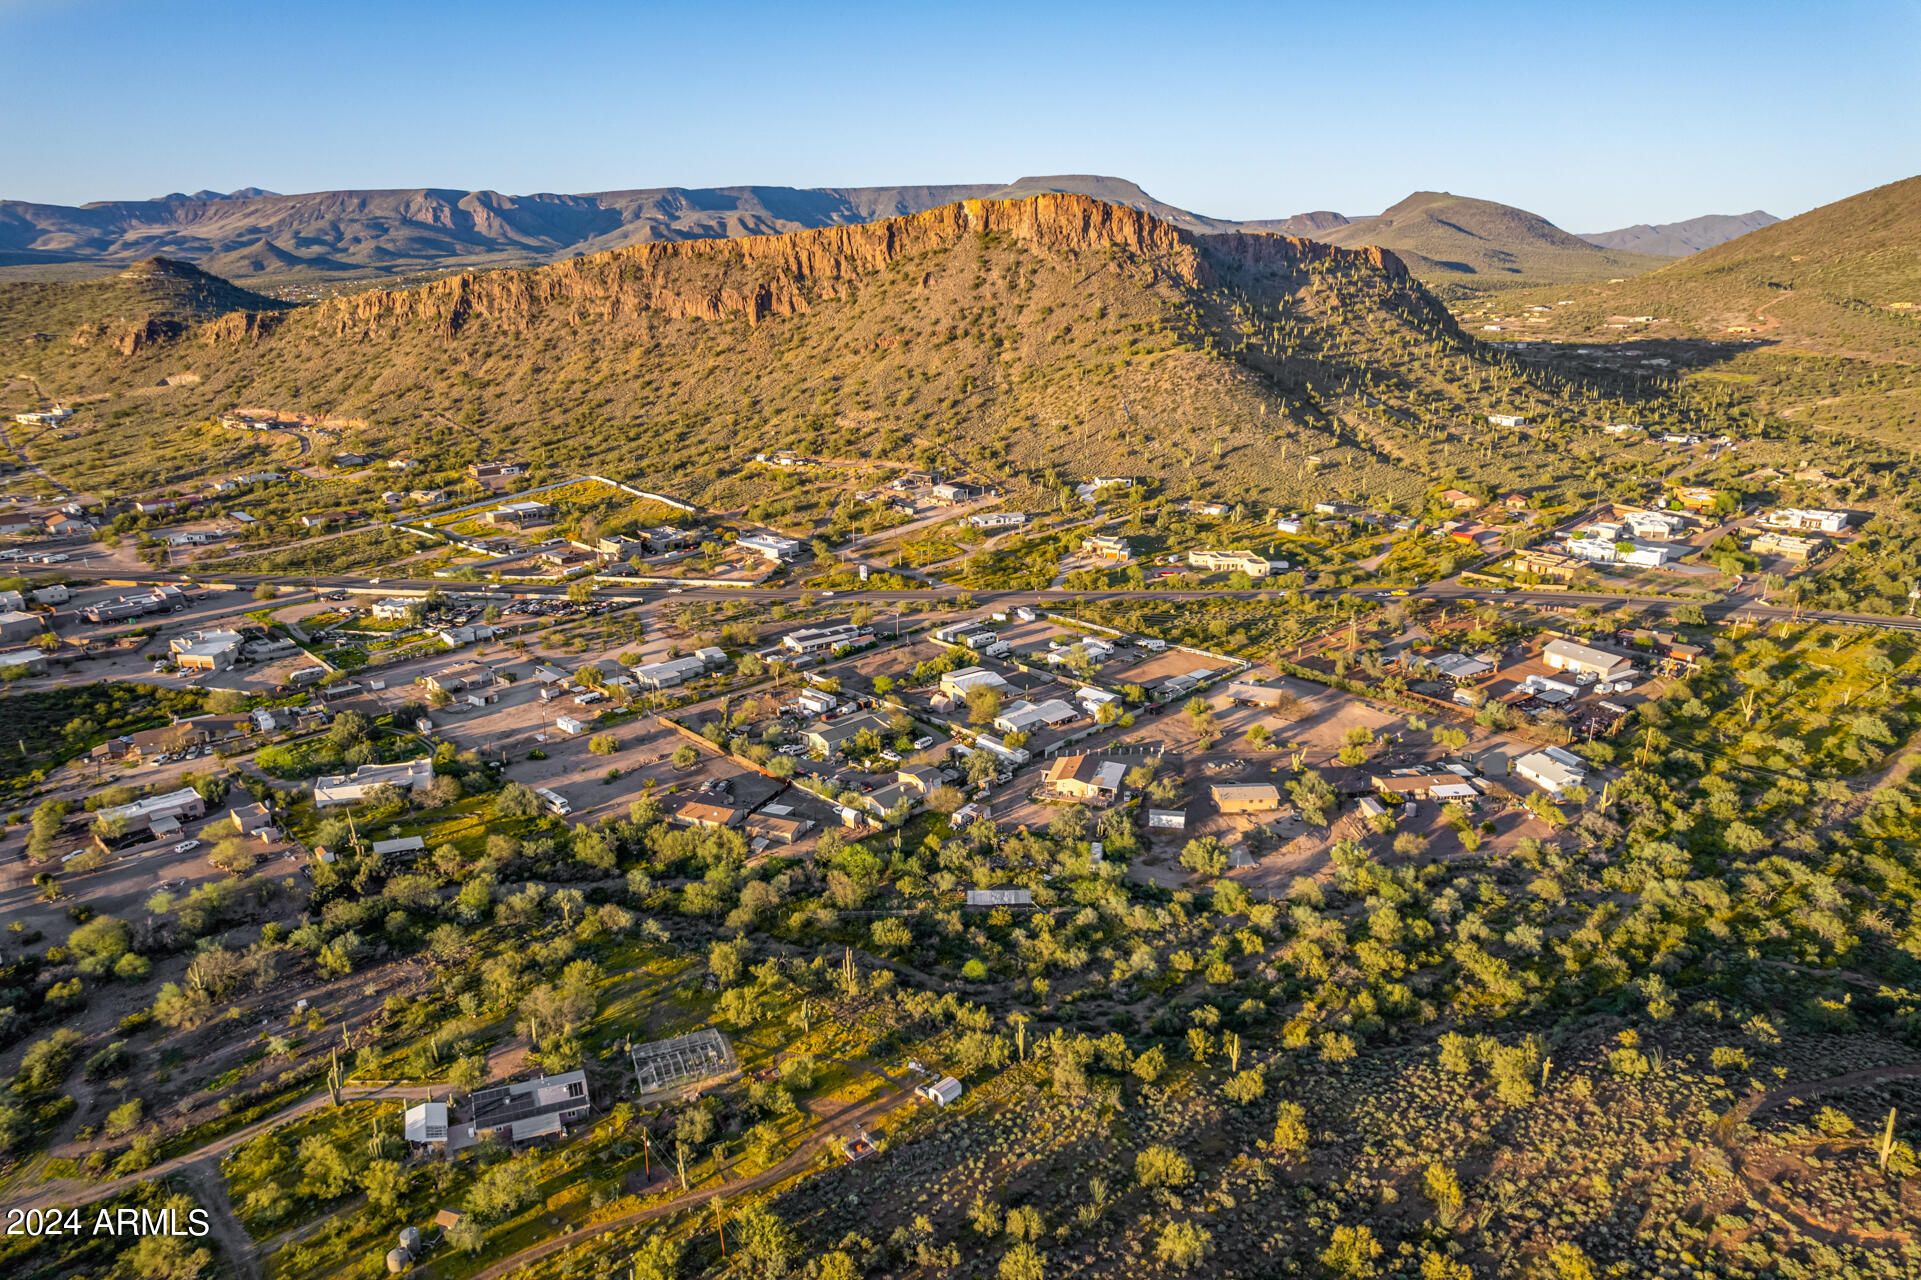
(1679, 239)
(257, 234)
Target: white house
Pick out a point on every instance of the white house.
(1804, 519)
(206, 650)
(770, 546)
(999, 520)
(820, 639)
(1552, 769)
(157, 813)
(408, 775)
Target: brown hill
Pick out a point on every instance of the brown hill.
(1461, 244)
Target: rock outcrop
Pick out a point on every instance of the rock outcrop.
(760, 276)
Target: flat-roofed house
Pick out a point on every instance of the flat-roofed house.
(408, 775)
(156, 813)
(1230, 562)
(1426, 786)
(1256, 695)
(425, 1123)
(520, 514)
(517, 1113)
(780, 828)
(1246, 797)
(711, 817)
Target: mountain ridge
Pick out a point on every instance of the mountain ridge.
(396, 232)
(1679, 239)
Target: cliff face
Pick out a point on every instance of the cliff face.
(1259, 249)
(761, 276)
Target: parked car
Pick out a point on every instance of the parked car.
(186, 846)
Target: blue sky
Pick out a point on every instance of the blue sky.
(1594, 116)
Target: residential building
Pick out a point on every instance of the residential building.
(1545, 564)
(1694, 498)
(831, 735)
(1246, 562)
(1094, 699)
(1506, 420)
(999, 520)
(491, 472)
(519, 514)
(776, 824)
(1025, 717)
(1659, 526)
(249, 818)
(30, 662)
(1256, 695)
(572, 725)
(1552, 769)
(1775, 543)
(957, 491)
(16, 626)
(160, 814)
(769, 546)
(1107, 547)
(1086, 777)
(1246, 797)
(408, 775)
(206, 650)
(674, 671)
(516, 1113)
(1458, 500)
(43, 417)
(459, 676)
(1167, 819)
(1290, 524)
(425, 1123)
(955, 684)
(820, 639)
(698, 813)
(1459, 666)
(1810, 521)
(60, 525)
(1425, 786)
(1583, 659)
(620, 550)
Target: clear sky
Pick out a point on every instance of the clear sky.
(1592, 115)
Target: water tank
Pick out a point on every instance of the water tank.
(398, 1260)
(410, 1239)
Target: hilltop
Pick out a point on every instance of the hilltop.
(144, 305)
(1049, 338)
(1460, 243)
(1679, 239)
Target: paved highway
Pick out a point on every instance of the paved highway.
(1744, 610)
